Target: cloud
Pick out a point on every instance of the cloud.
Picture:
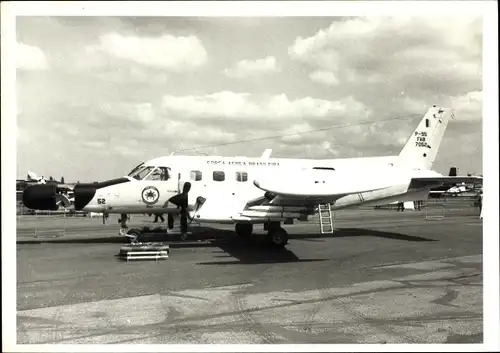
(131, 74)
(164, 52)
(324, 77)
(248, 68)
(30, 57)
(427, 54)
(259, 109)
(293, 133)
(114, 95)
(468, 107)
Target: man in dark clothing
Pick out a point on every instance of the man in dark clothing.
(159, 215)
(401, 206)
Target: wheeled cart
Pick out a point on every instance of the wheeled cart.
(144, 251)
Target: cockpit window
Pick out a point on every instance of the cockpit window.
(136, 169)
(159, 174)
(152, 173)
(141, 173)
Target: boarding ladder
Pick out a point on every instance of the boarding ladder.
(325, 218)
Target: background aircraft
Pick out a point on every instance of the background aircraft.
(65, 189)
(456, 189)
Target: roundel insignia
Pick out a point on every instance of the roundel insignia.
(150, 195)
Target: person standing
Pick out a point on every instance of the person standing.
(159, 215)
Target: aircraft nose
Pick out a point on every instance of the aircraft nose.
(40, 197)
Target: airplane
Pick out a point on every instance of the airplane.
(32, 177)
(455, 190)
(246, 191)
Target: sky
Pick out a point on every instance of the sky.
(98, 95)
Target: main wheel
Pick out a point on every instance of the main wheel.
(244, 230)
(278, 237)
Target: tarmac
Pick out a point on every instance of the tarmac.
(381, 277)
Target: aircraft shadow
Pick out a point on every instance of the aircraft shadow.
(211, 237)
(252, 251)
(360, 232)
(255, 251)
(199, 237)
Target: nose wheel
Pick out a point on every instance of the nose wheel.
(133, 235)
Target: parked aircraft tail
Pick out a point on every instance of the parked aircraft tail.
(421, 149)
(32, 177)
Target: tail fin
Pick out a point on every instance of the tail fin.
(32, 177)
(422, 147)
(453, 171)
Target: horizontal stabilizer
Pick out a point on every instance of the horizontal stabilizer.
(423, 182)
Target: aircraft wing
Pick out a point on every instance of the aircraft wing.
(311, 190)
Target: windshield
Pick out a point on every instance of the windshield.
(141, 173)
(136, 169)
(151, 173)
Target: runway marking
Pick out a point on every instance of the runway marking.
(363, 312)
(427, 265)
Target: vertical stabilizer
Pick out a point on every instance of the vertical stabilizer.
(32, 177)
(421, 149)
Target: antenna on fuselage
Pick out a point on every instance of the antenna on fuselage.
(267, 153)
(195, 151)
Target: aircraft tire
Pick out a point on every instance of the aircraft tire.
(134, 235)
(278, 237)
(244, 230)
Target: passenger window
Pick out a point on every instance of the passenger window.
(241, 176)
(219, 176)
(196, 175)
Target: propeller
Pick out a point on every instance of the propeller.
(182, 201)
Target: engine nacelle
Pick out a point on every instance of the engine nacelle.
(41, 197)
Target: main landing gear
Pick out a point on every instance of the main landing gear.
(277, 237)
(244, 230)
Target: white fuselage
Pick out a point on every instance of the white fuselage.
(229, 183)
